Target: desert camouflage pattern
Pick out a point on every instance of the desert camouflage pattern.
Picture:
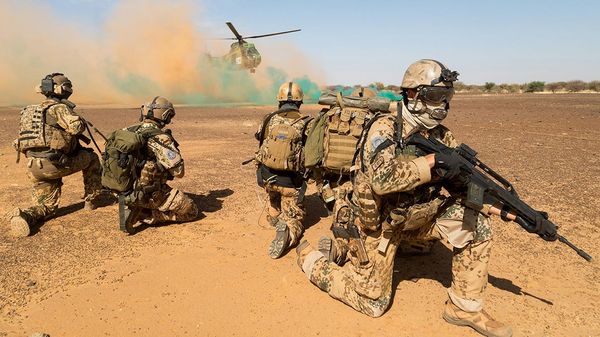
(339, 187)
(368, 289)
(386, 182)
(163, 163)
(162, 150)
(171, 204)
(269, 152)
(46, 178)
(62, 126)
(423, 72)
(286, 204)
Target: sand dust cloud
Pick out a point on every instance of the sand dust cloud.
(144, 48)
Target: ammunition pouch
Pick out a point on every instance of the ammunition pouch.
(57, 158)
(424, 214)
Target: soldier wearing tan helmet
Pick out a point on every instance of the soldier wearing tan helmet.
(398, 195)
(149, 198)
(280, 167)
(49, 138)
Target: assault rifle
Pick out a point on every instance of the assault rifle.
(248, 161)
(479, 180)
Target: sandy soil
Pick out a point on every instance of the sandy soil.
(80, 276)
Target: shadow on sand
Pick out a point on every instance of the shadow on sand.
(438, 266)
(207, 203)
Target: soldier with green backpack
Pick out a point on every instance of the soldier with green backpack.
(280, 167)
(138, 162)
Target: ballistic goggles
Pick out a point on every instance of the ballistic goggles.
(436, 95)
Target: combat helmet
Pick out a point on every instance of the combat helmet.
(159, 109)
(55, 85)
(366, 92)
(290, 92)
(432, 80)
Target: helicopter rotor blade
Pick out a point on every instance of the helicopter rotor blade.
(272, 34)
(234, 31)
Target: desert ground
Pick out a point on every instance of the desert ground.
(78, 275)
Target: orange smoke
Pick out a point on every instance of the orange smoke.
(146, 48)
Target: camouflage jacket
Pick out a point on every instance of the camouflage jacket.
(162, 154)
(385, 180)
(62, 125)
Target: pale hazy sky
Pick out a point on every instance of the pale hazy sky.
(365, 41)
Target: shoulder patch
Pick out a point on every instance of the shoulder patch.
(376, 141)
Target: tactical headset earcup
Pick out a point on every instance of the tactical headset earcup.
(47, 85)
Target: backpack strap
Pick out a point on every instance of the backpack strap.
(44, 109)
(304, 135)
(299, 119)
(360, 149)
(261, 134)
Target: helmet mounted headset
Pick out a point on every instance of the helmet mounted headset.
(166, 116)
(50, 88)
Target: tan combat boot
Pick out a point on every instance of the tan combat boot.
(19, 227)
(481, 321)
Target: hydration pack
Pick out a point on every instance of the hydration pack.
(282, 140)
(124, 155)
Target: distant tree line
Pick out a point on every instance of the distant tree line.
(535, 86)
(493, 88)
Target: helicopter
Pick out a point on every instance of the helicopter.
(242, 54)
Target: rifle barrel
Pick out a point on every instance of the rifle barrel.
(579, 251)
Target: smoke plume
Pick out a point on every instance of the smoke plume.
(143, 49)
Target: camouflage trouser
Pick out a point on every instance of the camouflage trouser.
(472, 242)
(286, 204)
(170, 204)
(368, 289)
(46, 178)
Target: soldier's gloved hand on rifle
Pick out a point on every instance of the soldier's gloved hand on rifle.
(447, 166)
(544, 228)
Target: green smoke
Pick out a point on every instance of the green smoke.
(311, 89)
(389, 94)
(220, 82)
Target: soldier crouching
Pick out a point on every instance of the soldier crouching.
(396, 197)
(149, 198)
(49, 138)
(280, 167)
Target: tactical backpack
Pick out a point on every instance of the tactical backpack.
(281, 144)
(124, 156)
(339, 129)
(35, 129)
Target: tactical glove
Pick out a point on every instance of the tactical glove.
(447, 166)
